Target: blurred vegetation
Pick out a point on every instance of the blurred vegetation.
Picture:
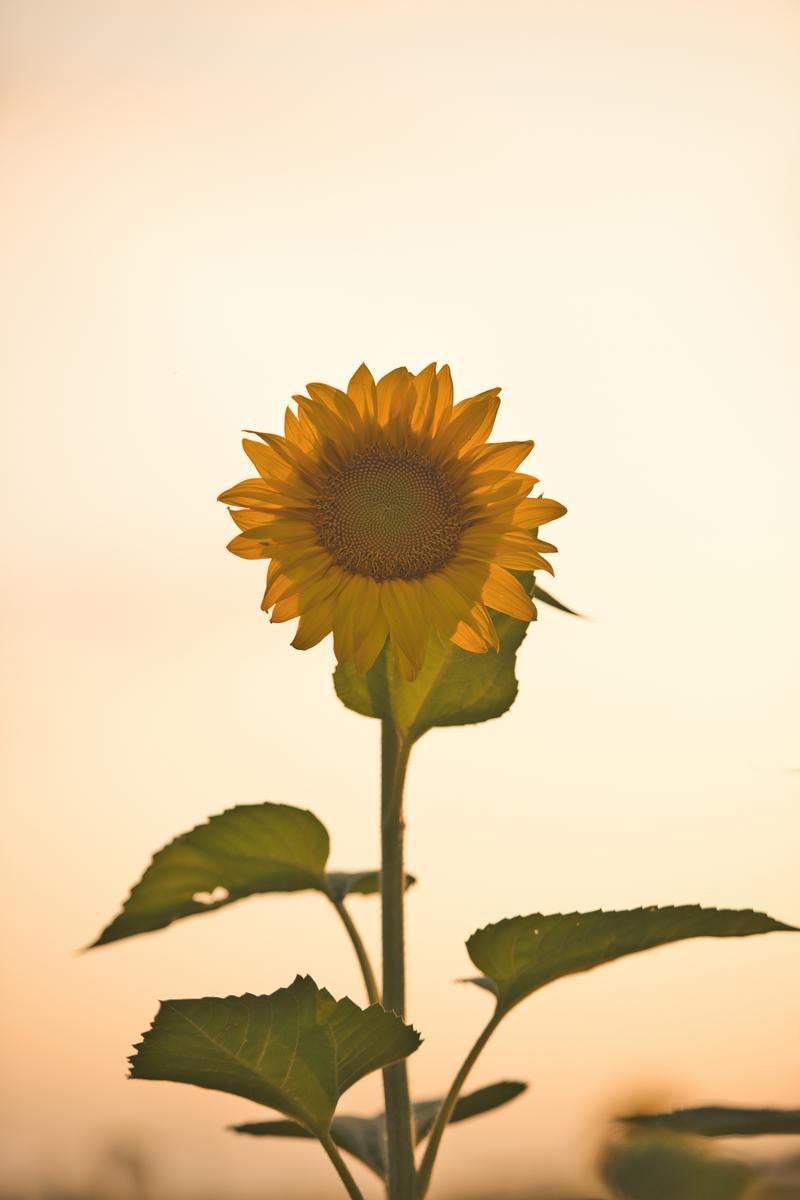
(632, 1165)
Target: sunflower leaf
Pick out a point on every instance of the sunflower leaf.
(719, 1121)
(523, 954)
(296, 1050)
(454, 687)
(365, 1137)
(249, 849)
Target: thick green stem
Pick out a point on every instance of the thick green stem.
(342, 1171)
(373, 995)
(448, 1104)
(400, 1147)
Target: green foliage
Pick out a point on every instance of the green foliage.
(454, 687)
(253, 848)
(718, 1121)
(520, 955)
(547, 598)
(365, 1137)
(665, 1169)
(296, 1050)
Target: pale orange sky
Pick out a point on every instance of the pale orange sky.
(593, 205)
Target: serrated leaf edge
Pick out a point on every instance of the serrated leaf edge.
(182, 837)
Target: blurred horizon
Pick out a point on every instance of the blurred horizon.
(593, 206)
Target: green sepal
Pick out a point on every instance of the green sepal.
(548, 598)
(296, 1050)
(520, 955)
(247, 850)
(719, 1121)
(365, 1137)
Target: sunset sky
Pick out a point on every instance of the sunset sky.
(591, 204)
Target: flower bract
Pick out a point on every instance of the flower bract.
(387, 514)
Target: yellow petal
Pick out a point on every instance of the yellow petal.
(295, 579)
(424, 384)
(370, 628)
(405, 616)
(244, 547)
(283, 463)
(476, 632)
(291, 528)
(360, 628)
(500, 456)
(320, 590)
(465, 637)
(250, 518)
(361, 389)
(443, 400)
(314, 625)
(250, 493)
(532, 513)
(470, 424)
(392, 391)
(338, 402)
(506, 594)
(346, 599)
(513, 549)
(273, 592)
(296, 433)
(467, 576)
(486, 489)
(285, 610)
(270, 464)
(447, 605)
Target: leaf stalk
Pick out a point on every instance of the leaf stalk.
(448, 1104)
(342, 1170)
(364, 963)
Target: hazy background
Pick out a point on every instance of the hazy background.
(592, 204)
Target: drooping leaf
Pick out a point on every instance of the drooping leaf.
(253, 848)
(472, 1105)
(365, 1137)
(718, 1121)
(357, 883)
(522, 954)
(296, 1050)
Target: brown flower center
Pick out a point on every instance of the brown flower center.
(389, 514)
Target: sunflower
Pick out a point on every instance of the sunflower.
(387, 514)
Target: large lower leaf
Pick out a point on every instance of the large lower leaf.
(365, 1137)
(248, 849)
(520, 955)
(296, 1050)
(718, 1121)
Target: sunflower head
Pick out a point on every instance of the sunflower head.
(386, 513)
